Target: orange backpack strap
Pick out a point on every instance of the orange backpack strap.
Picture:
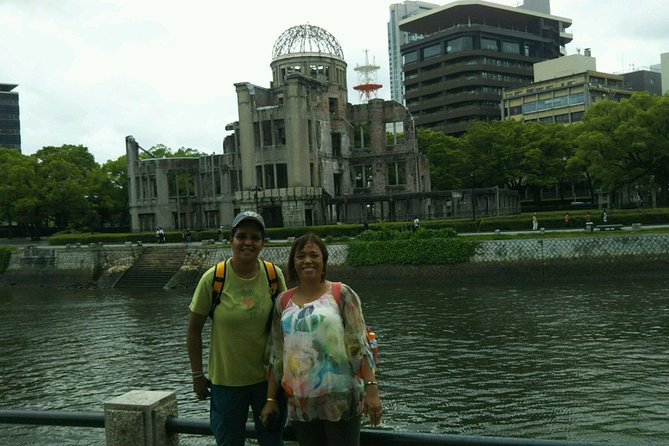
(272, 279)
(217, 286)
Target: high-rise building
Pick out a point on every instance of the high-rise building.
(397, 38)
(468, 52)
(10, 126)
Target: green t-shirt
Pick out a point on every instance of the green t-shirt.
(238, 333)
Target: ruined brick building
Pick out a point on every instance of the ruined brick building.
(300, 153)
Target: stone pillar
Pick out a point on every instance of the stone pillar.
(138, 417)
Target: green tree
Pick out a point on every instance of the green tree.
(17, 188)
(448, 157)
(625, 143)
(66, 173)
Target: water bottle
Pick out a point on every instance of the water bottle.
(373, 345)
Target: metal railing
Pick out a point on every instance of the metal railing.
(368, 437)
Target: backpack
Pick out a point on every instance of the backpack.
(336, 293)
(219, 281)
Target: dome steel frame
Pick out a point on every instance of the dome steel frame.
(306, 39)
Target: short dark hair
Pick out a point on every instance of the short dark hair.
(298, 244)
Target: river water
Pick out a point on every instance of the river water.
(577, 362)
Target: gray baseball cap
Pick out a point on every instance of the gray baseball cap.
(248, 215)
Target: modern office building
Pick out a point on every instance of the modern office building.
(300, 153)
(468, 52)
(397, 38)
(562, 90)
(10, 124)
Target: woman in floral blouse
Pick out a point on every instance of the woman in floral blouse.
(319, 354)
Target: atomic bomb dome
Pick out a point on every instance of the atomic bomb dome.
(307, 38)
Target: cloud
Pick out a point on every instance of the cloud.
(93, 72)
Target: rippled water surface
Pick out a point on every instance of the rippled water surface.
(580, 363)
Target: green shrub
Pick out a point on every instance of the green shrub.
(418, 251)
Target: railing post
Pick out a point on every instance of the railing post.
(138, 417)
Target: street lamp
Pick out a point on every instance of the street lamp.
(255, 190)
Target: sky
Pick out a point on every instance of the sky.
(91, 72)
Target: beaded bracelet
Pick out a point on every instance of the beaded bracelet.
(371, 383)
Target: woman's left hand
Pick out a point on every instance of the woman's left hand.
(372, 405)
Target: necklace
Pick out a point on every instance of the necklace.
(311, 295)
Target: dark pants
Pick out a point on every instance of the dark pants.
(229, 412)
(328, 433)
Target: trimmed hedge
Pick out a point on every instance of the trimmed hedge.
(416, 251)
(521, 222)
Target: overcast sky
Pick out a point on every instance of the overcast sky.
(93, 71)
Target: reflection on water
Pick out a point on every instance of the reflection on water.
(581, 363)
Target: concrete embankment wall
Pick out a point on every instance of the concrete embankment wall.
(77, 267)
(524, 260)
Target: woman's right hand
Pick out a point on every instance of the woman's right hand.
(270, 415)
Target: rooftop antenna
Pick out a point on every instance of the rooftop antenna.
(368, 87)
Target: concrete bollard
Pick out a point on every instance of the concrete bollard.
(137, 418)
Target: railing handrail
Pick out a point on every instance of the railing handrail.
(53, 418)
(368, 437)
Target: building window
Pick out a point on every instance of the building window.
(269, 176)
(235, 180)
(361, 137)
(336, 143)
(464, 43)
(279, 132)
(181, 184)
(282, 175)
(515, 110)
(396, 174)
(266, 133)
(217, 182)
(336, 178)
(432, 51)
(362, 175)
(410, 57)
(259, 176)
(510, 47)
(488, 44)
(332, 105)
(394, 133)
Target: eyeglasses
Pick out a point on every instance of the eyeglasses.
(242, 237)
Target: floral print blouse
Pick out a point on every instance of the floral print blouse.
(316, 352)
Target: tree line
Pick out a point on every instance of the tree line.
(64, 188)
(617, 145)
